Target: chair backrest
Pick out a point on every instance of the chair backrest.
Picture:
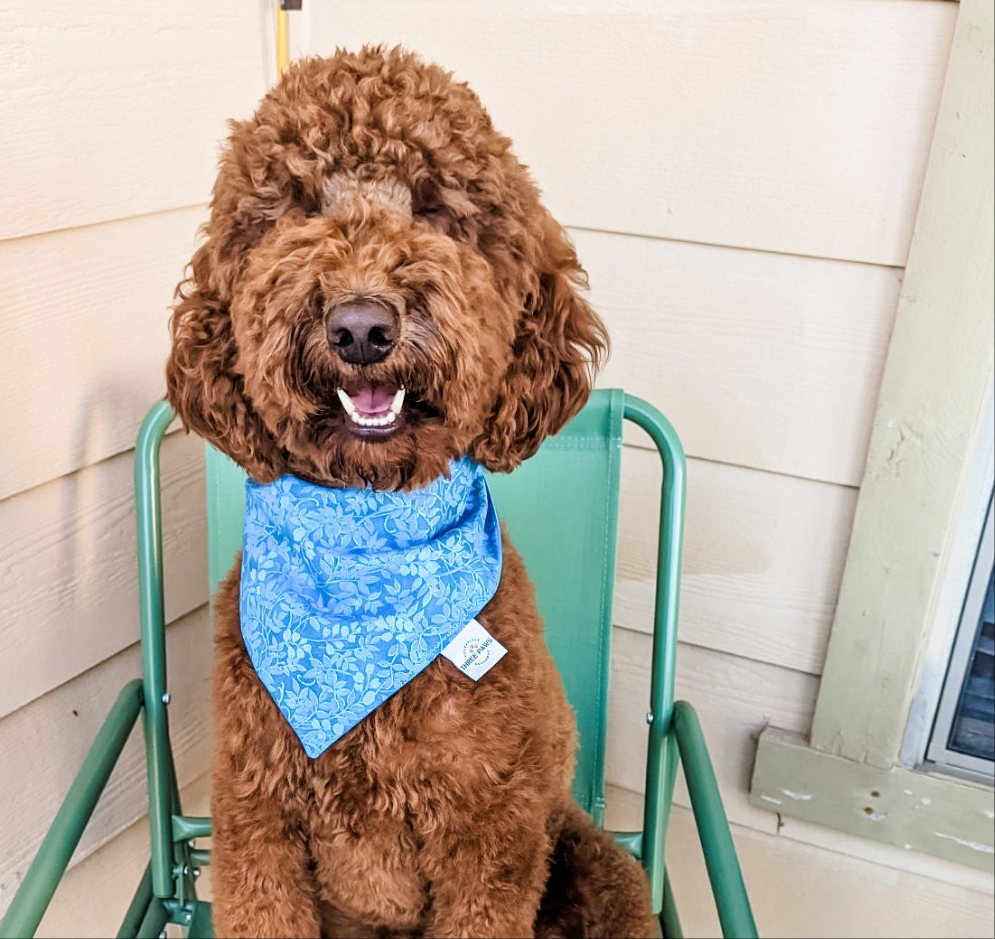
(561, 512)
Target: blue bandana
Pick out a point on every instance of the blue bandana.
(347, 594)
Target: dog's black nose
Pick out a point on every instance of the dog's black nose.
(362, 331)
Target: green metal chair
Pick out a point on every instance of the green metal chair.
(561, 509)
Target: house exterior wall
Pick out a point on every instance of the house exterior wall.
(740, 179)
(110, 116)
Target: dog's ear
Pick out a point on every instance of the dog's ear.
(201, 382)
(559, 344)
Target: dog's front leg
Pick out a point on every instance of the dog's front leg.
(262, 878)
(262, 883)
(487, 879)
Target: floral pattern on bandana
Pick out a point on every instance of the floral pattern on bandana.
(347, 594)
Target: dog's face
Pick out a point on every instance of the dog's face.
(380, 289)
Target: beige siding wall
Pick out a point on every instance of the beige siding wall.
(740, 179)
(109, 120)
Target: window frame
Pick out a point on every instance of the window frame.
(938, 752)
(922, 714)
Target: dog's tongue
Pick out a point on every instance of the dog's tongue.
(373, 399)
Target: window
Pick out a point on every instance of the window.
(963, 737)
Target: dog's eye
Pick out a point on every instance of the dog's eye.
(305, 201)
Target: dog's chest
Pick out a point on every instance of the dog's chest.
(424, 726)
(403, 772)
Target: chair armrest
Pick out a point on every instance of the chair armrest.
(43, 876)
(728, 888)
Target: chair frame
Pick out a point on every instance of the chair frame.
(166, 892)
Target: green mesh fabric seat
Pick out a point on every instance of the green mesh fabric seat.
(561, 511)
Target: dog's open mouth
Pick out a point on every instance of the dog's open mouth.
(373, 410)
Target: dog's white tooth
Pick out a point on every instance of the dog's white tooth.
(350, 408)
(395, 405)
(358, 418)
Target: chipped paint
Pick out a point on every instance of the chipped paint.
(771, 799)
(989, 813)
(788, 769)
(973, 845)
(908, 792)
(926, 801)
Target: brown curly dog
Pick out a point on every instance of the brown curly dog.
(370, 231)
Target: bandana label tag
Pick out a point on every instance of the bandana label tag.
(474, 651)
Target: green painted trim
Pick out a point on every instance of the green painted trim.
(934, 397)
(935, 815)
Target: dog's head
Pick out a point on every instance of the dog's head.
(380, 289)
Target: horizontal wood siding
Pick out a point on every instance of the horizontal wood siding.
(83, 340)
(797, 126)
(114, 110)
(763, 558)
(42, 747)
(111, 122)
(94, 895)
(801, 890)
(735, 699)
(759, 359)
(69, 567)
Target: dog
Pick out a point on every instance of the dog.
(379, 308)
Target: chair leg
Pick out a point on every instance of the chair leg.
(670, 922)
(139, 907)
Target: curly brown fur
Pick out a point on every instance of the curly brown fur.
(374, 178)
